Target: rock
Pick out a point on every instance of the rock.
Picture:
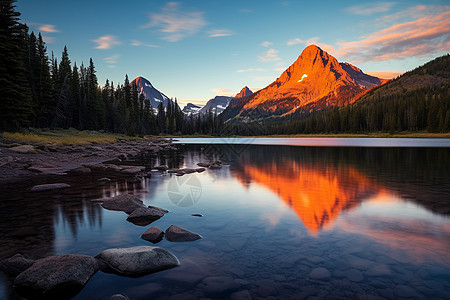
(177, 234)
(81, 170)
(216, 165)
(320, 274)
(354, 275)
(132, 169)
(124, 202)
(15, 264)
(140, 260)
(174, 171)
(104, 167)
(219, 285)
(50, 186)
(118, 297)
(153, 234)
(197, 215)
(199, 170)
(143, 214)
(66, 274)
(23, 149)
(161, 168)
(379, 271)
(241, 295)
(189, 171)
(203, 164)
(104, 179)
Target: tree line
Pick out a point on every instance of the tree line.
(38, 91)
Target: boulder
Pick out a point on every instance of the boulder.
(216, 165)
(203, 164)
(15, 264)
(177, 234)
(23, 149)
(137, 261)
(153, 234)
(145, 214)
(61, 274)
(189, 171)
(124, 202)
(199, 170)
(50, 186)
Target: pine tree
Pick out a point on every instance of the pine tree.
(63, 116)
(16, 108)
(46, 104)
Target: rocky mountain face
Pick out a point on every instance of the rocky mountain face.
(315, 81)
(191, 109)
(150, 92)
(245, 92)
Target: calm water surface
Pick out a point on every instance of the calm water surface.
(285, 222)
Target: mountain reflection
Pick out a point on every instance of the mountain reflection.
(319, 183)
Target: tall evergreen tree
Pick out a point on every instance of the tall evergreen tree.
(16, 108)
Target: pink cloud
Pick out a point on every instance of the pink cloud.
(424, 36)
(48, 28)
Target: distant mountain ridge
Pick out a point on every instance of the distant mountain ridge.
(191, 109)
(150, 92)
(315, 81)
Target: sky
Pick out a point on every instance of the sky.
(193, 50)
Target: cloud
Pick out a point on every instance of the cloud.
(422, 37)
(48, 28)
(314, 40)
(385, 74)
(270, 55)
(48, 39)
(219, 32)
(106, 42)
(112, 60)
(266, 44)
(251, 70)
(137, 43)
(370, 8)
(223, 92)
(176, 24)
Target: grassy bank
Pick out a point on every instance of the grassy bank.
(63, 137)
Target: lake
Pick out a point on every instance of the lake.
(282, 219)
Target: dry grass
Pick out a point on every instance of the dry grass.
(63, 137)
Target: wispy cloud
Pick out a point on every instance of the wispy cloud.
(106, 42)
(251, 70)
(266, 44)
(223, 92)
(219, 32)
(137, 43)
(176, 24)
(314, 40)
(424, 36)
(370, 8)
(48, 28)
(270, 55)
(112, 60)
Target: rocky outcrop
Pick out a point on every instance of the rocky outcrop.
(61, 274)
(50, 186)
(137, 261)
(124, 202)
(177, 234)
(153, 234)
(15, 264)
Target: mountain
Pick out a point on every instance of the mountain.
(191, 109)
(244, 92)
(150, 92)
(315, 81)
(217, 105)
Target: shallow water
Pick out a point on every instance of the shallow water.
(278, 221)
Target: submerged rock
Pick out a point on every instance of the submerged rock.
(50, 186)
(320, 274)
(177, 234)
(65, 274)
(136, 261)
(124, 202)
(153, 234)
(15, 264)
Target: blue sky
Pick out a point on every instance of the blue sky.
(194, 50)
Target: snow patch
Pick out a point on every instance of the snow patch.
(148, 84)
(303, 77)
(157, 100)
